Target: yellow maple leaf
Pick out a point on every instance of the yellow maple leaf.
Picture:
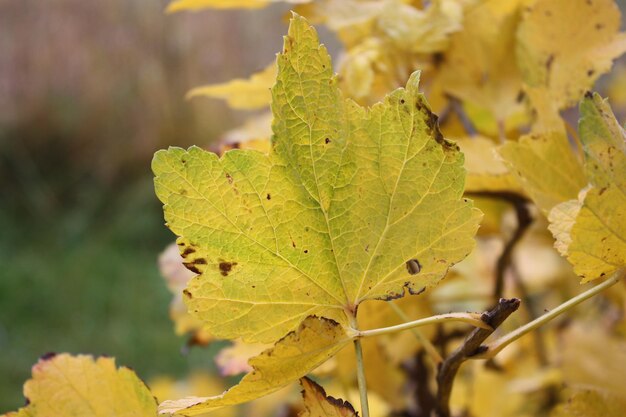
(546, 167)
(318, 404)
(485, 172)
(298, 353)
(591, 231)
(479, 67)
(247, 94)
(329, 218)
(565, 45)
(64, 385)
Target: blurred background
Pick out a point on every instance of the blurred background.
(88, 92)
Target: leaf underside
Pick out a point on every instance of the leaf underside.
(346, 197)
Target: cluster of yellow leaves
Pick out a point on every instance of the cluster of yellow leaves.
(284, 241)
(313, 227)
(591, 230)
(493, 65)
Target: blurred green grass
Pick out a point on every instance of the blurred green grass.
(86, 280)
(89, 91)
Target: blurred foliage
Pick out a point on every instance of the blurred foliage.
(88, 92)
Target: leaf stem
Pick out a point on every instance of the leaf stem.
(360, 376)
(470, 318)
(495, 347)
(360, 369)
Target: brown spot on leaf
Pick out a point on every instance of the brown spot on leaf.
(268, 196)
(226, 267)
(229, 178)
(187, 294)
(432, 126)
(190, 266)
(188, 250)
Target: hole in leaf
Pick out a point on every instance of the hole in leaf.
(413, 266)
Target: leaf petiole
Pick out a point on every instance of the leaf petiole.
(495, 347)
(469, 318)
(360, 372)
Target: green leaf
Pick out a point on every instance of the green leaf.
(591, 231)
(330, 218)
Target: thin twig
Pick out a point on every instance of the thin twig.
(457, 107)
(524, 220)
(419, 374)
(472, 345)
(492, 349)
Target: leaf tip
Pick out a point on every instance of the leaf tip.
(414, 81)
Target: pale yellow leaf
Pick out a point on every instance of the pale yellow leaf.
(593, 357)
(66, 386)
(485, 172)
(546, 167)
(589, 403)
(565, 45)
(298, 353)
(479, 66)
(422, 31)
(318, 404)
(595, 243)
(249, 94)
